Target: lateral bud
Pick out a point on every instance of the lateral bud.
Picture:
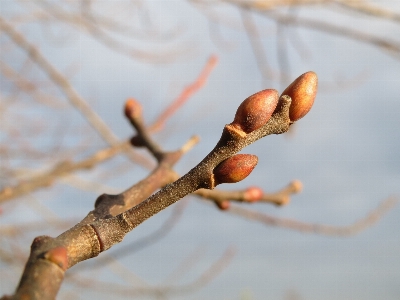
(253, 194)
(255, 110)
(58, 256)
(235, 168)
(223, 205)
(303, 91)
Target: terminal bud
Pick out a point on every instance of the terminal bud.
(132, 109)
(302, 91)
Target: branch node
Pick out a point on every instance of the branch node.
(235, 132)
(93, 239)
(115, 199)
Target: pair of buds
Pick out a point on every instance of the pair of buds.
(255, 111)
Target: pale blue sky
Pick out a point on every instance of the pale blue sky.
(345, 151)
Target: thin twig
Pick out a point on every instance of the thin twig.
(58, 78)
(124, 290)
(358, 226)
(392, 47)
(250, 195)
(365, 8)
(62, 168)
(256, 45)
(186, 93)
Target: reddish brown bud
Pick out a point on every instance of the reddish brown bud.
(256, 110)
(223, 205)
(235, 168)
(58, 256)
(253, 194)
(302, 91)
(132, 109)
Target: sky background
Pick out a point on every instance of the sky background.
(345, 152)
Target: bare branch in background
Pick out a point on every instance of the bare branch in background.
(185, 94)
(257, 46)
(72, 95)
(61, 169)
(390, 46)
(358, 226)
(160, 291)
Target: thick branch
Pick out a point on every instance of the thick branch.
(261, 114)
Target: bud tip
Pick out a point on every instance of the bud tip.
(132, 108)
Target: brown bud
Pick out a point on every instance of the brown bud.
(255, 110)
(132, 109)
(302, 91)
(253, 194)
(235, 168)
(223, 205)
(58, 256)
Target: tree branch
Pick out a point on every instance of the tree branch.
(358, 226)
